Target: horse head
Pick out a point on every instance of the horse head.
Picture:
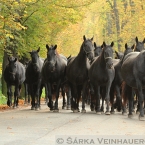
(12, 67)
(52, 56)
(97, 50)
(139, 45)
(128, 49)
(119, 55)
(108, 54)
(35, 59)
(88, 48)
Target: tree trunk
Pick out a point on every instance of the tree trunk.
(5, 62)
(117, 24)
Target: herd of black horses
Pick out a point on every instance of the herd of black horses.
(91, 76)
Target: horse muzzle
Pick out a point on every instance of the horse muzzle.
(109, 65)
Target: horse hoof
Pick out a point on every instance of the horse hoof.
(36, 109)
(68, 108)
(14, 107)
(137, 112)
(130, 115)
(112, 112)
(25, 103)
(32, 108)
(75, 111)
(107, 113)
(63, 107)
(40, 108)
(56, 110)
(98, 113)
(92, 109)
(83, 111)
(141, 118)
(124, 113)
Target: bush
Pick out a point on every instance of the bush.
(3, 99)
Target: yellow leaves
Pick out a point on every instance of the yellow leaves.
(10, 36)
(21, 26)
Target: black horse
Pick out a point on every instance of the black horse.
(14, 75)
(101, 74)
(34, 79)
(97, 50)
(77, 73)
(133, 73)
(24, 60)
(138, 48)
(139, 45)
(53, 73)
(116, 84)
(119, 55)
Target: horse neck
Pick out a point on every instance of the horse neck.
(82, 56)
(102, 59)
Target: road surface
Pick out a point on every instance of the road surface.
(23, 126)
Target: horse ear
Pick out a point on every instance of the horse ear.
(95, 45)
(47, 46)
(143, 40)
(112, 44)
(55, 46)
(38, 49)
(92, 38)
(125, 45)
(104, 44)
(84, 37)
(136, 39)
(15, 59)
(116, 52)
(133, 46)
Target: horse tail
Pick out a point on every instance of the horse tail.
(126, 93)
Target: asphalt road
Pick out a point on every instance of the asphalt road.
(23, 126)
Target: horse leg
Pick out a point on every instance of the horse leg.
(141, 99)
(49, 93)
(31, 88)
(144, 99)
(84, 92)
(57, 96)
(26, 92)
(112, 98)
(130, 104)
(17, 101)
(79, 94)
(138, 107)
(92, 105)
(63, 95)
(72, 97)
(46, 94)
(97, 95)
(9, 93)
(16, 94)
(40, 93)
(118, 98)
(102, 91)
(107, 97)
(68, 94)
(37, 95)
(75, 96)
